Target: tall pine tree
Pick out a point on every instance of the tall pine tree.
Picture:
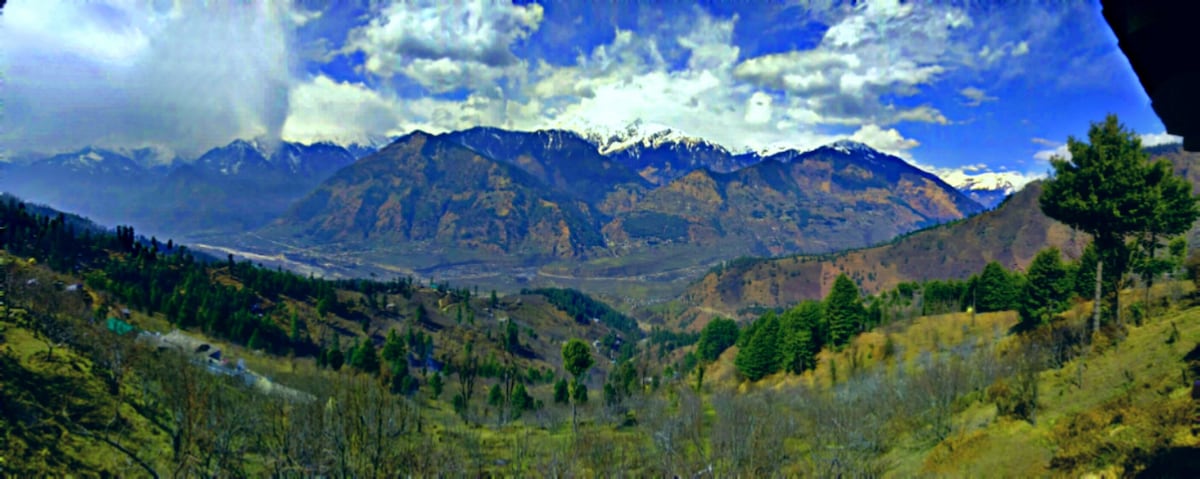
(760, 357)
(1048, 286)
(844, 311)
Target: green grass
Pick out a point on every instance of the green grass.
(1112, 407)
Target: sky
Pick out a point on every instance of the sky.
(962, 88)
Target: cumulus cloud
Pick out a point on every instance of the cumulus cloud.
(444, 46)
(1058, 151)
(326, 110)
(138, 74)
(888, 141)
(879, 50)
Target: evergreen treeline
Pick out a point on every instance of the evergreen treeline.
(583, 308)
(790, 340)
(166, 278)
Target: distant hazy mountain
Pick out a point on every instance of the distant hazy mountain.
(228, 189)
(238, 187)
(94, 182)
(485, 199)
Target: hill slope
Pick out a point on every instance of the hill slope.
(562, 160)
(437, 197)
(1011, 234)
(835, 197)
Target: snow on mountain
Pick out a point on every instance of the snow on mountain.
(988, 188)
(851, 147)
(1006, 181)
(646, 136)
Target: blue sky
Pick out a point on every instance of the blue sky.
(954, 89)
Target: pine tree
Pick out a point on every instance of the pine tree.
(844, 311)
(997, 289)
(335, 358)
(797, 351)
(368, 358)
(1047, 288)
(760, 357)
(255, 342)
(717, 336)
(393, 348)
(495, 396)
(1109, 190)
(521, 401)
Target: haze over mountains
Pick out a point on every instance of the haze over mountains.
(485, 202)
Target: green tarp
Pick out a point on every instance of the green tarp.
(117, 326)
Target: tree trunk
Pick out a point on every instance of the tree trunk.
(1096, 302)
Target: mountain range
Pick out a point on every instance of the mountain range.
(556, 205)
(232, 188)
(1011, 234)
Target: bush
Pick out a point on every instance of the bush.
(1015, 397)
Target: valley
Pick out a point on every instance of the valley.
(567, 215)
(592, 239)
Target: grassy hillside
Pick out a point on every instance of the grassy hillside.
(924, 397)
(80, 398)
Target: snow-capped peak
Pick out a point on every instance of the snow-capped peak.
(843, 146)
(645, 135)
(850, 146)
(1006, 181)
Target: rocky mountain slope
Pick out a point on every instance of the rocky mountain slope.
(1012, 234)
(438, 196)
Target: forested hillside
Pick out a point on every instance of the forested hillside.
(474, 384)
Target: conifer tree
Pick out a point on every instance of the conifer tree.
(1048, 286)
(844, 311)
(1109, 190)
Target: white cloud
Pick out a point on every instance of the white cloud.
(1059, 151)
(758, 108)
(322, 109)
(1021, 49)
(888, 141)
(923, 113)
(879, 50)
(1164, 138)
(975, 96)
(134, 74)
(444, 46)
(443, 75)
